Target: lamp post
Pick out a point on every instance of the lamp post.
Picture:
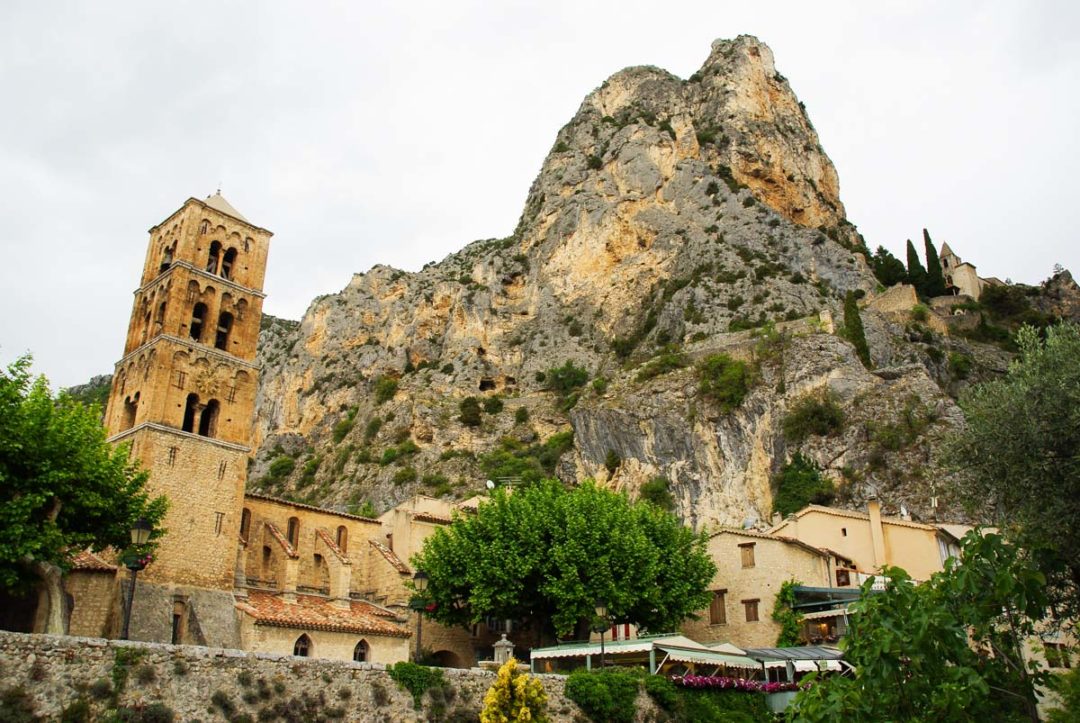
(601, 626)
(420, 580)
(140, 535)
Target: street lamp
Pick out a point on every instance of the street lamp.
(420, 580)
(601, 625)
(140, 535)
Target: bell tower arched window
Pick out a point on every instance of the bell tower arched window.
(198, 317)
(227, 263)
(303, 647)
(167, 257)
(191, 408)
(221, 340)
(159, 320)
(214, 258)
(131, 406)
(208, 418)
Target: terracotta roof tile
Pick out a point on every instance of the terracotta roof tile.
(285, 544)
(428, 517)
(87, 560)
(311, 612)
(322, 535)
(391, 557)
(778, 538)
(302, 506)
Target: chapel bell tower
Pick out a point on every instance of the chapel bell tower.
(183, 395)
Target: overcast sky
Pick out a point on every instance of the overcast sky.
(397, 132)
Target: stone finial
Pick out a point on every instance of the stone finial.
(504, 650)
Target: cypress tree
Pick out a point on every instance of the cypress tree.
(853, 329)
(935, 279)
(916, 274)
(888, 269)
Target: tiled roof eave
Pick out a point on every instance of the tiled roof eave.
(333, 627)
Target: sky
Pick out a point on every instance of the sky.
(366, 133)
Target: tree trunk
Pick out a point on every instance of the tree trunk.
(52, 592)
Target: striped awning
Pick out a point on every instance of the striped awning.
(682, 655)
(820, 614)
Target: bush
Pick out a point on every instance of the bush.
(565, 381)
(514, 696)
(607, 696)
(344, 426)
(416, 679)
(657, 491)
(612, 461)
(372, 429)
(470, 412)
(798, 484)
(281, 467)
(920, 312)
(152, 713)
(595, 162)
(959, 365)
(663, 691)
(813, 414)
(16, 706)
(669, 359)
(521, 415)
(77, 712)
(385, 389)
(405, 475)
(599, 385)
(724, 380)
(493, 405)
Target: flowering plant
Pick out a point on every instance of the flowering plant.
(135, 560)
(720, 682)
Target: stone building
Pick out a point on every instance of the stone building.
(960, 276)
(233, 569)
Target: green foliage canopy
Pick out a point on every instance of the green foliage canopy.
(916, 274)
(800, 483)
(935, 279)
(62, 486)
(724, 380)
(545, 554)
(853, 329)
(888, 269)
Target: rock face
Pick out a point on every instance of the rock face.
(671, 218)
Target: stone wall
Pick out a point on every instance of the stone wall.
(199, 684)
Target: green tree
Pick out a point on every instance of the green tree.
(949, 649)
(888, 269)
(916, 274)
(658, 492)
(470, 412)
(63, 487)
(1018, 456)
(800, 483)
(853, 329)
(935, 279)
(545, 554)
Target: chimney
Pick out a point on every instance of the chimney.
(793, 526)
(877, 533)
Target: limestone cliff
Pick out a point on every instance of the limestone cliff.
(670, 219)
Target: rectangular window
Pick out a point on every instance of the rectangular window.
(231, 396)
(747, 550)
(179, 379)
(173, 451)
(221, 469)
(176, 619)
(751, 610)
(219, 518)
(1057, 655)
(718, 608)
(843, 578)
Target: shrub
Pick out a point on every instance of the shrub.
(152, 713)
(447, 368)
(658, 492)
(798, 484)
(470, 412)
(221, 700)
(101, 689)
(853, 329)
(405, 475)
(724, 380)
(493, 405)
(813, 414)
(415, 678)
(514, 697)
(521, 415)
(371, 430)
(344, 426)
(385, 389)
(749, 201)
(281, 467)
(669, 359)
(959, 365)
(663, 691)
(920, 312)
(145, 674)
(599, 385)
(595, 162)
(16, 706)
(379, 694)
(612, 461)
(608, 695)
(77, 712)
(565, 381)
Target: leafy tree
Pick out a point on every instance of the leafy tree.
(514, 697)
(916, 274)
(935, 279)
(853, 329)
(63, 487)
(799, 484)
(1018, 456)
(1067, 686)
(949, 649)
(545, 554)
(888, 269)
(813, 414)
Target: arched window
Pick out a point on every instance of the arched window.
(293, 534)
(166, 258)
(302, 647)
(245, 523)
(214, 257)
(227, 263)
(360, 652)
(145, 328)
(159, 320)
(190, 409)
(198, 316)
(131, 405)
(343, 538)
(208, 418)
(224, 326)
(267, 562)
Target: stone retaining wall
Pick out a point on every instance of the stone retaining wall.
(213, 684)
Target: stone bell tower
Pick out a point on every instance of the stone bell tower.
(183, 396)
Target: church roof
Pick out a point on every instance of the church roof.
(218, 203)
(946, 251)
(311, 612)
(87, 560)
